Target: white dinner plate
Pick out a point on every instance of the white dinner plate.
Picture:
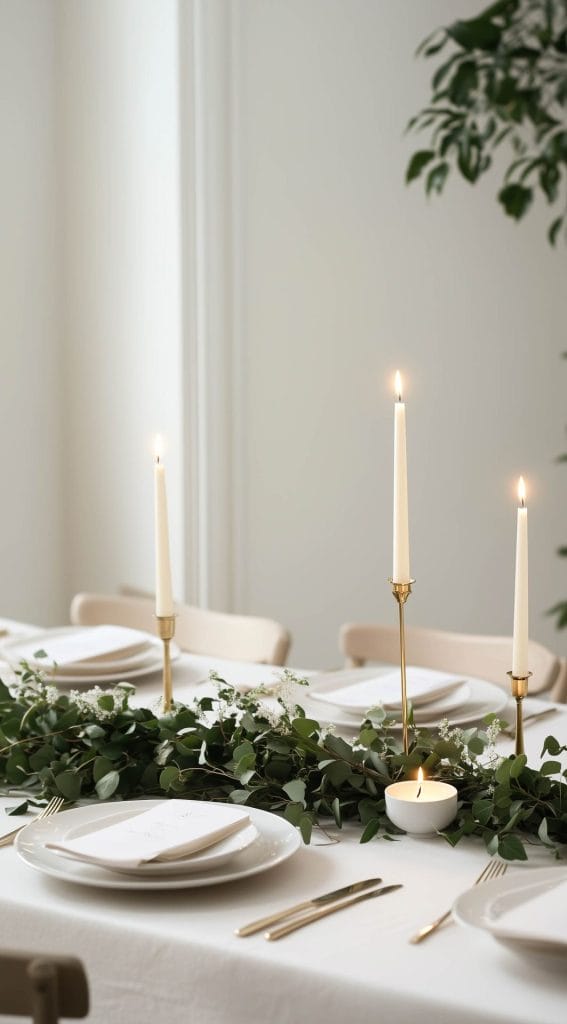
(114, 671)
(483, 699)
(277, 840)
(484, 906)
(212, 857)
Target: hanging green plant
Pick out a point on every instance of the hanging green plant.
(503, 86)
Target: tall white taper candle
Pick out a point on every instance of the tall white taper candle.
(401, 568)
(520, 666)
(164, 596)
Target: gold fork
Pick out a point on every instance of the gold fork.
(494, 869)
(54, 805)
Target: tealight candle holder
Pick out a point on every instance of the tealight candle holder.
(421, 806)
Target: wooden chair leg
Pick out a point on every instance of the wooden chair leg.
(43, 981)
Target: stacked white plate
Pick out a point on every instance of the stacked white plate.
(524, 909)
(86, 655)
(345, 697)
(264, 842)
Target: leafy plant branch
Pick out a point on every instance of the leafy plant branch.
(504, 85)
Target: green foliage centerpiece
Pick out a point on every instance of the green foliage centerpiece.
(237, 747)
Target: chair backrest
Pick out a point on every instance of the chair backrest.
(219, 634)
(484, 657)
(42, 987)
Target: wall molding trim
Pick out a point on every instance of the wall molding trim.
(211, 343)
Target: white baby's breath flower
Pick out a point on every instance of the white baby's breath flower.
(88, 702)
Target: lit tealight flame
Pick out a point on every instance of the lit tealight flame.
(522, 491)
(398, 386)
(158, 447)
(420, 781)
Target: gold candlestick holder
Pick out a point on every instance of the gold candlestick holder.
(519, 686)
(401, 592)
(166, 631)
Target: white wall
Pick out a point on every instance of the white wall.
(31, 584)
(232, 224)
(346, 275)
(120, 175)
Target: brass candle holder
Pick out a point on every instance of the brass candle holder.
(401, 592)
(166, 631)
(519, 686)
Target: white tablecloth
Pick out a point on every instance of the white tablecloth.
(168, 957)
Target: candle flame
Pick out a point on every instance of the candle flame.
(398, 386)
(522, 491)
(158, 447)
(420, 774)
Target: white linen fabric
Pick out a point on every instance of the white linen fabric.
(163, 957)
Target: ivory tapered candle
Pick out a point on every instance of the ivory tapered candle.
(401, 566)
(520, 667)
(164, 596)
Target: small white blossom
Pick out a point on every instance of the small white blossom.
(87, 702)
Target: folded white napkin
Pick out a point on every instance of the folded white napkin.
(91, 644)
(541, 918)
(424, 685)
(170, 831)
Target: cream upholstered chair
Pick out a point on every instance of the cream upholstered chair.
(42, 987)
(237, 637)
(486, 657)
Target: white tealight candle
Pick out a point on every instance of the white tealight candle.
(400, 568)
(520, 666)
(421, 806)
(164, 595)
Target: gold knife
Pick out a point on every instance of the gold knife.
(328, 897)
(292, 926)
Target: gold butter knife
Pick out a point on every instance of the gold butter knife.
(316, 915)
(328, 897)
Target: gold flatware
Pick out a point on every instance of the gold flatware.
(54, 805)
(494, 869)
(316, 915)
(328, 897)
(510, 730)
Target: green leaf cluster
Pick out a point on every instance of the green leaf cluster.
(502, 82)
(231, 748)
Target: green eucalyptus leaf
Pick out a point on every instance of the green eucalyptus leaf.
(371, 829)
(69, 784)
(517, 766)
(306, 827)
(295, 790)
(511, 848)
(107, 785)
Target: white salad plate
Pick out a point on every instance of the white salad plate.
(276, 840)
(485, 907)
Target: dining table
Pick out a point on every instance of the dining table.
(163, 957)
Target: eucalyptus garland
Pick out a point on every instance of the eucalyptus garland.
(234, 747)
